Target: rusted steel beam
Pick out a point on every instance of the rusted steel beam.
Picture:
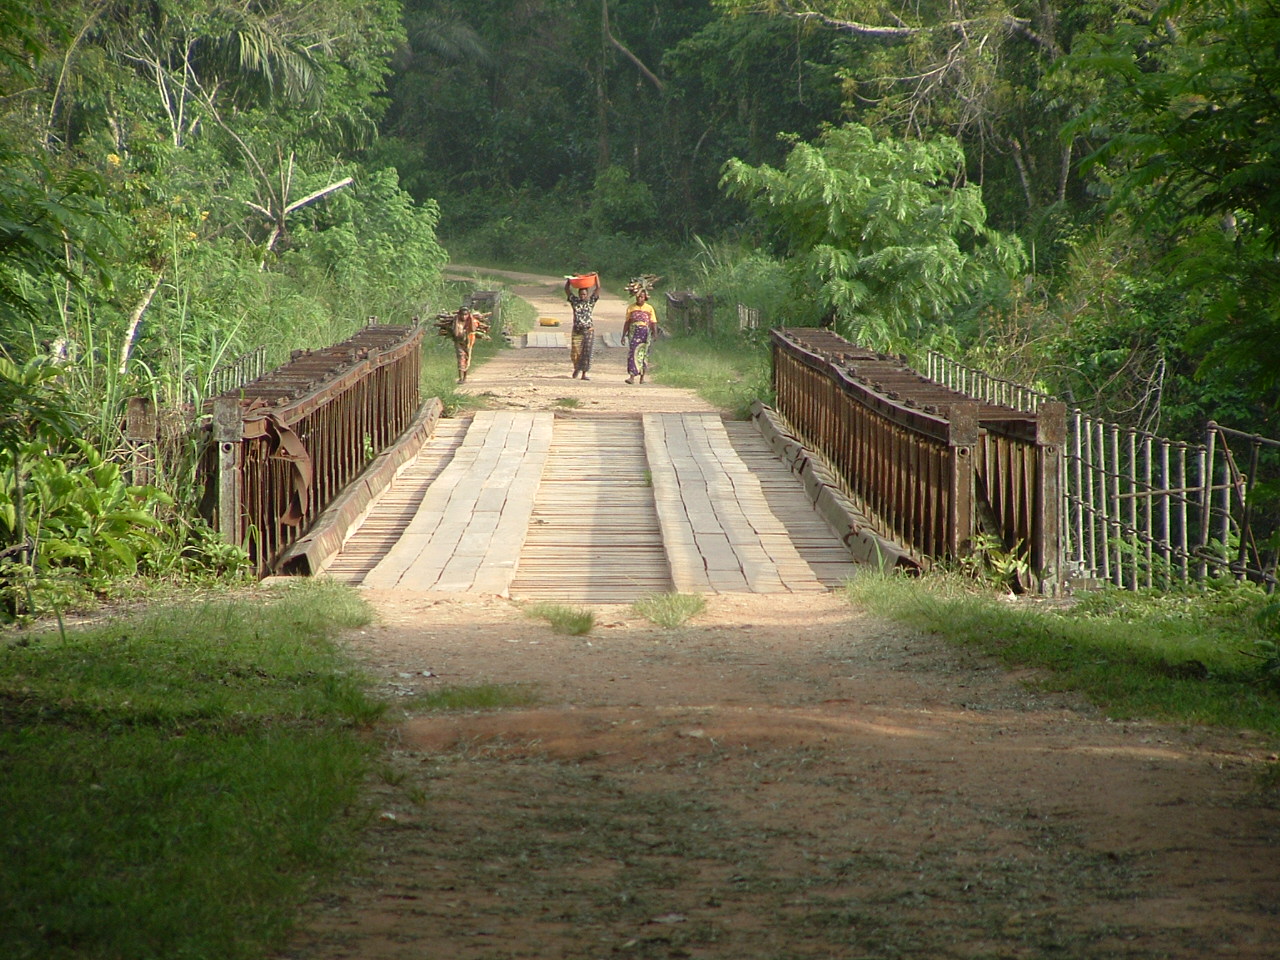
(290, 441)
(311, 553)
(931, 465)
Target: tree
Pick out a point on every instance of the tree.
(1190, 134)
(1194, 116)
(45, 217)
(970, 69)
(881, 234)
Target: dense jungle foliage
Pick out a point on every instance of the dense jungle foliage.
(1076, 195)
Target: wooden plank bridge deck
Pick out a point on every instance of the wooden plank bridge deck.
(599, 509)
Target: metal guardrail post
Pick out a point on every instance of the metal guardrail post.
(141, 433)
(290, 441)
(1046, 548)
(924, 460)
(962, 439)
(227, 432)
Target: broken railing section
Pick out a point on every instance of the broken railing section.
(287, 443)
(938, 472)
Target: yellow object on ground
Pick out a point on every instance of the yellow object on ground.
(548, 322)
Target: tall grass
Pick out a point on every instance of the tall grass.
(1178, 657)
(728, 372)
(173, 781)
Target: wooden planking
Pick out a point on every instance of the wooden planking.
(594, 534)
(720, 531)
(540, 338)
(391, 514)
(812, 536)
(470, 525)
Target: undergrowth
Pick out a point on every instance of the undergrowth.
(574, 621)
(481, 696)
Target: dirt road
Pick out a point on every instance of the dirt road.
(784, 777)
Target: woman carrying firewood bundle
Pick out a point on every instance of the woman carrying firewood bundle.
(640, 327)
(463, 326)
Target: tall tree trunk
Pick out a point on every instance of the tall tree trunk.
(602, 95)
(135, 318)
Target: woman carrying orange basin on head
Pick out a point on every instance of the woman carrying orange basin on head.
(582, 292)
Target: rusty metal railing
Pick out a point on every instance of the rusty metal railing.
(288, 442)
(1141, 510)
(933, 467)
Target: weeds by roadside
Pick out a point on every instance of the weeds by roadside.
(482, 696)
(1187, 657)
(669, 609)
(573, 621)
(174, 780)
(727, 372)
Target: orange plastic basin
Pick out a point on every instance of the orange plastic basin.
(584, 280)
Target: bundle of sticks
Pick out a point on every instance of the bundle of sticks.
(444, 324)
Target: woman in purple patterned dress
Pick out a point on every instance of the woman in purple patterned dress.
(640, 327)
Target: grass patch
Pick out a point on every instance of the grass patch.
(173, 781)
(1181, 657)
(483, 696)
(669, 609)
(517, 313)
(573, 621)
(727, 372)
(569, 403)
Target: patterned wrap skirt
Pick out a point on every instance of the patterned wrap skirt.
(638, 342)
(581, 344)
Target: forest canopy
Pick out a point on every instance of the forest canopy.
(1078, 196)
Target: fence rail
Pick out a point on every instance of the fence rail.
(1141, 510)
(244, 369)
(285, 444)
(933, 466)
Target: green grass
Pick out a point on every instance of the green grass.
(1187, 658)
(573, 621)
(173, 781)
(482, 696)
(728, 372)
(669, 609)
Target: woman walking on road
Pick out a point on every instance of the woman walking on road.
(465, 327)
(582, 300)
(640, 327)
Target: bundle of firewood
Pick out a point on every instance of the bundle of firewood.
(444, 324)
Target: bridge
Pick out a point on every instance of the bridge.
(597, 492)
